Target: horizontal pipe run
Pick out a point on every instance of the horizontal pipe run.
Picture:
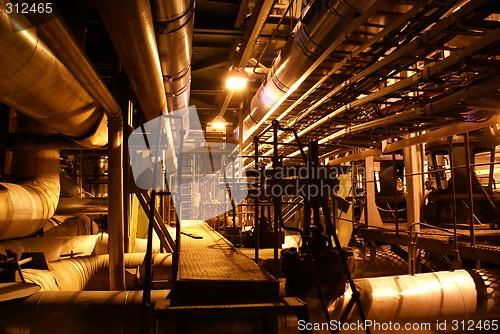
(91, 273)
(74, 206)
(56, 248)
(456, 295)
(80, 312)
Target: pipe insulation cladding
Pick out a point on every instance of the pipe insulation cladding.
(36, 83)
(322, 24)
(80, 312)
(91, 273)
(429, 297)
(28, 205)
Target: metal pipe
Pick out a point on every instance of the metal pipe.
(429, 297)
(28, 205)
(72, 206)
(30, 68)
(322, 24)
(91, 273)
(55, 248)
(470, 188)
(173, 21)
(130, 26)
(75, 312)
(55, 32)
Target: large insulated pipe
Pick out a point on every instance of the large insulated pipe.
(322, 24)
(92, 273)
(80, 312)
(173, 21)
(53, 30)
(29, 203)
(36, 83)
(430, 297)
(130, 26)
(55, 248)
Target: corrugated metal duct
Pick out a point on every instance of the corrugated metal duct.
(457, 295)
(36, 83)
(80, 312)
(322, 24)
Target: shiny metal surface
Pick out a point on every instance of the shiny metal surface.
(55, 248)
(27, 205)
(322, 24)
(84, 312)
(35, 82)
(173, 21)
(130, 26)
(72, 206)
(91, 273)
(56, 33)
(434, 296)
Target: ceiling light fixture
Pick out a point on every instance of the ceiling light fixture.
(219, 122)
(237, 79)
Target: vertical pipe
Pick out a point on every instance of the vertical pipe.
(276, 199)
(395, 176)
(470, 189)
(178, 207)
(115, 204)
(258, 183)
(413, 197)
(453, 194)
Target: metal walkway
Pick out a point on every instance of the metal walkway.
(210, 267)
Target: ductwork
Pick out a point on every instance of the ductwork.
(79, 312)
(91, 273)
(173, 22)
(55, 248)
(36, 83)
(130, 26)
(75, 206)
(457, 295)
(322, 24)
(27, 205)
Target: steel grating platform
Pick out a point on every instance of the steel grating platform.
(486, 248)
(211, 268)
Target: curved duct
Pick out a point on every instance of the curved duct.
(426, 297)
(36, 83)
(173, 21)
(79, 312)
(92, 272)
(321, 25)
(29, 204)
